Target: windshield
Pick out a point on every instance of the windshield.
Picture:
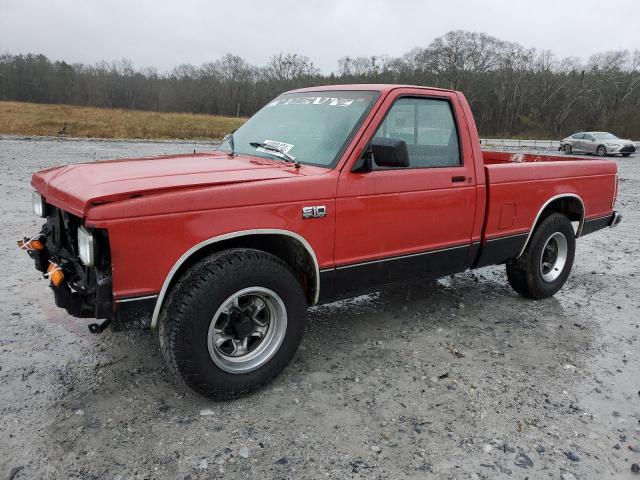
(312, 127)
(605, 136)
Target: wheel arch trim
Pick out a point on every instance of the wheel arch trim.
(227, 236)
(542, 209)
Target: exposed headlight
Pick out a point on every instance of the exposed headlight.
(38, 205)
(86, 247)
(614, 145)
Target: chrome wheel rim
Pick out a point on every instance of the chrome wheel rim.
(247, 330)
(554, 257)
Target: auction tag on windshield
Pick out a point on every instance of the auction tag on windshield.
(283, 147)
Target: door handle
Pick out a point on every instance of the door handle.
(457, 179)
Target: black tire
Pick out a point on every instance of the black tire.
(567, 149)
(525, 273)
(199, 294)
(626, 154)
(601, 151)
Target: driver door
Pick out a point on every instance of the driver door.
(402, 223)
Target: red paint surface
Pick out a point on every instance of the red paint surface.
(156, 209)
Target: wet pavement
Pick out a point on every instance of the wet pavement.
(454, 379)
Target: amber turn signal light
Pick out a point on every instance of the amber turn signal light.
(30, 244)
(55, 274)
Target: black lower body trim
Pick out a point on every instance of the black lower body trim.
(326, 285)
(594, 224)
(499, 250)
(350, 280)
(134, 312)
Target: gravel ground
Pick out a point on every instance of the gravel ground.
(454, 379)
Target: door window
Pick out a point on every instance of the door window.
(428, 128)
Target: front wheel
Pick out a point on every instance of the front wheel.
(601, 151)
(567, 149)
(546, 263)
(232, 323)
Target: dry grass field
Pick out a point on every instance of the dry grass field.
(19, 118)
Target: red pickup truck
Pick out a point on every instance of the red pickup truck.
(324, 193)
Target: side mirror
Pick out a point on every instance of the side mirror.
(386, 152)
(389, 152)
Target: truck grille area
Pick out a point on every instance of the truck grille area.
(86, 291)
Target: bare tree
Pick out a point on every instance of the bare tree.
(513, 90)
(288, 67)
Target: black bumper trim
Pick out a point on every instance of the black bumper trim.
(615, 219)
(594, 224)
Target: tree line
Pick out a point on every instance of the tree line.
(513, 90)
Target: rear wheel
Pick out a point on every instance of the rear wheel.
(601, 151)
(232, 323)
(546, 263)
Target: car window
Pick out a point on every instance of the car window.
(589, 137)
(428, 127)
(605, 136)
(578, 136)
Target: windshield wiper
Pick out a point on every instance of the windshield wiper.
(276, 152)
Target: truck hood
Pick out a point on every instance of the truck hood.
(75, 188)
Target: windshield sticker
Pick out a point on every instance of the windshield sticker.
(330, 101)
(281, 148)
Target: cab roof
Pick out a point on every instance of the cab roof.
(380, 87)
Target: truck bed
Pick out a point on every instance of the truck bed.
(490, 157)
(520, 185)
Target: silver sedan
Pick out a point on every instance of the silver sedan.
(599, 143)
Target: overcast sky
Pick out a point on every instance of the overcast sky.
(163, 33)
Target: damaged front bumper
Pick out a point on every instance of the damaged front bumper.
(84, 292)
